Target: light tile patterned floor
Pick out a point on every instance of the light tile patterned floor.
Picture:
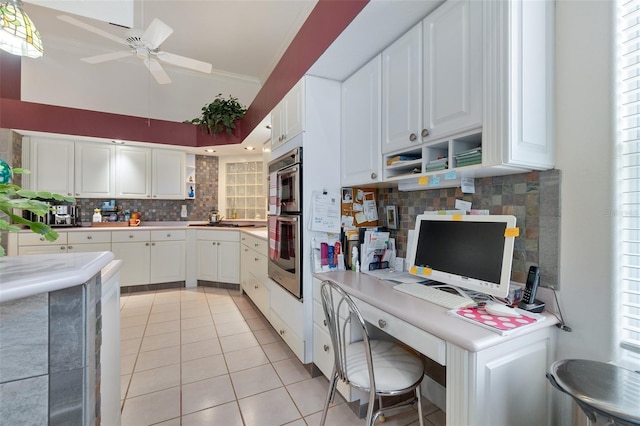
(207, 356)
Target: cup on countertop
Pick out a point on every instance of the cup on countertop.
(135, 215)
(134, 222)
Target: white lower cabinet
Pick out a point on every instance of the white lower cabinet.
(218, 257)
(167, 256)
(67, 242)
(253, 273)
(134, 248)
(287, 318)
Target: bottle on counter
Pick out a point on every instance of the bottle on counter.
(97, 217)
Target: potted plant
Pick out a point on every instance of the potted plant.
(220, 115)
(14, 197)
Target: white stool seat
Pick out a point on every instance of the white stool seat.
(395, 368)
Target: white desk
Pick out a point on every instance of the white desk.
(491, 379)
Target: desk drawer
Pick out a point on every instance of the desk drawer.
(423, 342)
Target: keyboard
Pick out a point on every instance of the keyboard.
(433, 295)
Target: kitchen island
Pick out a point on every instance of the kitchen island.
(50, 334)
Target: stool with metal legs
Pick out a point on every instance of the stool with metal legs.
(600, 389)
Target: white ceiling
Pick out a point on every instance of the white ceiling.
(242, 39)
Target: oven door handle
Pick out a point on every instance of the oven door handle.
(287, 171)
(287, 219)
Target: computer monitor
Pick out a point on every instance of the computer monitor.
(469, 252)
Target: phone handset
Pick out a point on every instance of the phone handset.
(528, 301)
(533, 279)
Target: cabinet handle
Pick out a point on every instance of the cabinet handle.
(255, 286)
(68, 193)
(70, 247)
(256, 244)
(89, 237)
(63, 248)
(382, 323)
(168, 235)
(282, 332)
(256, 259)
(146, 244)
(374, 175)
(153, 244)
(412, 137)
(130, 235)
(41, 238)
(425, 133)
(325, 322)
(326, 348)
(218, 243)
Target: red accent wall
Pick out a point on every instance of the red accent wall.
(325, 23)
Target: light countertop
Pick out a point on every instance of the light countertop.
(22, 276)
(427, 316)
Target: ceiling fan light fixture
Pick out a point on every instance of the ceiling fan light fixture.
(18, 34)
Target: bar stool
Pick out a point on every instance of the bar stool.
(600, 389)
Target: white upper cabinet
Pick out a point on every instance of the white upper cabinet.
(95, 169)
(402, 92)
(518, 52)
(51, 163)
(133, 172)
(75, 169)
(287, 118)
(168, 174)
(452, 63)
(360, 126)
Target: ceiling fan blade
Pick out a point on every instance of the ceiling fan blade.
(157, 71)
(157, 32)
(185, 62)
(77, 23)
(107, 57)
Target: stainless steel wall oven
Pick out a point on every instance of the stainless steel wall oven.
(285, 219)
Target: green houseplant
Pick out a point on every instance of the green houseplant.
(14, 197)
(220, 115)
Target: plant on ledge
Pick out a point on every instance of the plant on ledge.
(220, 115)
(13, 197)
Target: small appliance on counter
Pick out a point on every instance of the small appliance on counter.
(61, 215)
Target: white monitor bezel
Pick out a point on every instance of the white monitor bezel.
(500, 289)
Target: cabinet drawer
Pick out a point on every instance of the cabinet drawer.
(130, 236)
(32, 239)
(423, 342)
(86, 248)
(323, 358)
(83, 237)
(288, 308)
(255, 263)
(254, 243)
(294, 342)
(217, 235)
(169, 235)
(259, 294)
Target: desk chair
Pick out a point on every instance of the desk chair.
(599, 389)
(379, 367)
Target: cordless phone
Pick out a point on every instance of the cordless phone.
(533, 279)
(528, 301)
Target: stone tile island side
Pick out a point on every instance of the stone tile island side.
(50, 334)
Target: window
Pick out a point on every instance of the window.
(628, 179)
(244, 191)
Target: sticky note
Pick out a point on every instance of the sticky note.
(435, 180)
(457, 217)
(450, 175)
(413, 270)
(423, 180)
(512, 232)
(426, 271)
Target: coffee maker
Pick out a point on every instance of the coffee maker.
(60, 215)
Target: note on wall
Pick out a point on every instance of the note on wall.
(325, 212)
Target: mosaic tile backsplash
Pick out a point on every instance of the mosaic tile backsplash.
(533, 198)
(169, 210)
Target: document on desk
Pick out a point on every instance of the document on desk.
(391, 275)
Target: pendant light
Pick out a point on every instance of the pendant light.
(18, 35)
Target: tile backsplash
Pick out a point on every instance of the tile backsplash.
(533, 198)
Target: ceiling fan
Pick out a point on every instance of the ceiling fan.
(145, 45)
